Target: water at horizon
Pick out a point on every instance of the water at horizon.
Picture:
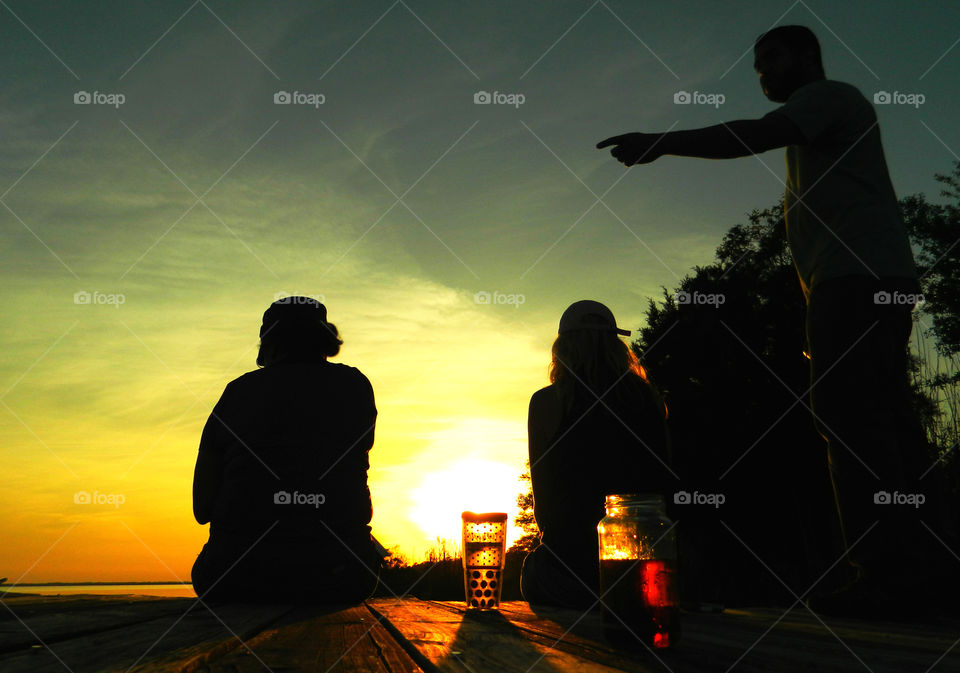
(173, 590)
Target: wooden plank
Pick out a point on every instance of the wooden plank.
(321, 640)
(121, 648)
(443, 636)
(453, 640)
(909, 635)
(580, 635)
(799, 642)
(23, 605)
(25, 629)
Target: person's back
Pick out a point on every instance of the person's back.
(592, 433)
(296, 431)
(840, 208)
(599, 448)
(282, 472)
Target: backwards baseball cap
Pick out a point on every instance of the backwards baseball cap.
(589, 314)
(293, 312)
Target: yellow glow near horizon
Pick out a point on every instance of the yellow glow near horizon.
(132, 429)
(474, 484)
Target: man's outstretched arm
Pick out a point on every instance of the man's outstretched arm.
(724, 141)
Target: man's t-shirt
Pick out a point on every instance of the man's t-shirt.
(841, 211)
(292, 440)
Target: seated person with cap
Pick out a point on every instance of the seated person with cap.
(599, 428)
(281, 473)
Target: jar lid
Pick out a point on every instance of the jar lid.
(634, 499)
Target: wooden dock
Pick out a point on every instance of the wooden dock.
(136, 634)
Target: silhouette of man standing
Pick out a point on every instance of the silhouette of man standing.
(857, 273)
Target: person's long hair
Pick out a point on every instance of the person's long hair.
(599, 362)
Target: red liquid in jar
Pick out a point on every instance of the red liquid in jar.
(643, 595)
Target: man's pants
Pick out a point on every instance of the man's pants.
(858, 331)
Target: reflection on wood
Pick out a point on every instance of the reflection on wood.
(88, 634)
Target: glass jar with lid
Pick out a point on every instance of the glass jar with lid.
(638, 570)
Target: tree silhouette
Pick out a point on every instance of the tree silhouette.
(530, 539)
(732, 369)
(935, 229)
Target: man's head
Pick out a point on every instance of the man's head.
(786, 58)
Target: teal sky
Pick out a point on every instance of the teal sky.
(396, 200)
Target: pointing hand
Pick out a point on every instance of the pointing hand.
(634, 148)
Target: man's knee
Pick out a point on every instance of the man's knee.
(831, 418)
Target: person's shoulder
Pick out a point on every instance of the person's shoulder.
(345, 371)
(347, 377)
(296, 373)
(816, 87)
(831, 84)
(245, 379)
(858, 111)
(545, 393)
(545, 398)
(239, 388)
(829, 87)
(297, 370)
(846, 88)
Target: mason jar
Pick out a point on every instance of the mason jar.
(638, 570)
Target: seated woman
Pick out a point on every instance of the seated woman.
(281, 473)
(599, 428)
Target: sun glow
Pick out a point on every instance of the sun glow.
(474, 484)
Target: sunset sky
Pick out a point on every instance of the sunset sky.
(198, 200)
